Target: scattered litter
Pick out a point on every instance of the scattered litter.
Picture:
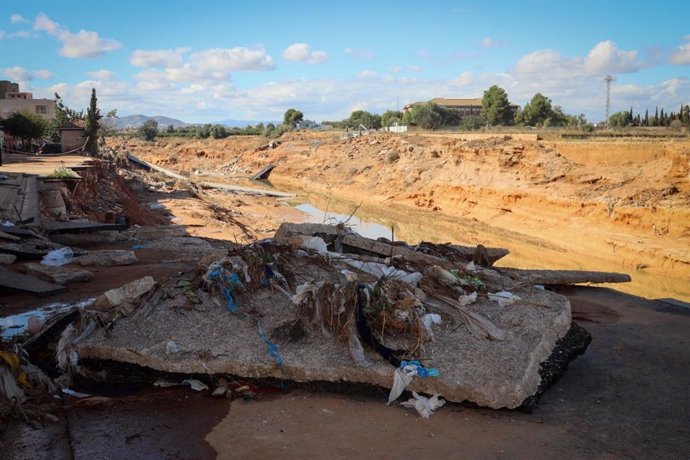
(504, 298)
(380, 270)
(76, 394)
(315, 243)
(140, 246)
(428, 320)
(468, 299)
(423, 405)
(196, 385)
(171, 348)
(58, 257)
(7, 223)
(539, 287)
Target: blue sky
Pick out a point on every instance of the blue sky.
(213, 60)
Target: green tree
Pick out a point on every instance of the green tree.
(64, 117)
(426, 116)
(619, 119)
(472, 122)
(495, 107)
(25, 125)
(364, 118)
(170, 129)
(391, 117)
(218, 132)
(92, 124)
(292, 117)
(149, 130)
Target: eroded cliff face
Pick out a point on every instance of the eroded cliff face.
(602, 205)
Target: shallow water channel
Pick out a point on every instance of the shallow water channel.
(525, 252)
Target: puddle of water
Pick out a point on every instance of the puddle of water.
(11, 326)
(365, 228)
(537, 254)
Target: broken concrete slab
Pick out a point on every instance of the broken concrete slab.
(564, 276)
(59, 227)
(128, 293)
(14, 281)
(76, 239)
(59, 275)
(155, 232)
(264, 172)
(7, 259)
(494, 373)
(106, 258)
(181, 244)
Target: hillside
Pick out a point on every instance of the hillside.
(135, 121)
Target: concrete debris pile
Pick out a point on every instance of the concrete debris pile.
(319, 303)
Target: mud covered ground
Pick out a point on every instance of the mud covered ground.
(625, 398)
(619, 205)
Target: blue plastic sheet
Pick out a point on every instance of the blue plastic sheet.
(421, 370)
(272, 348)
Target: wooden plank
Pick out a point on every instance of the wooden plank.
(253, 191)
(81, 227)
(160, 169)
(563, 276)
(264, 172)
(10, 280)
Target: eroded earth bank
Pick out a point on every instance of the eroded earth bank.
(610, 205)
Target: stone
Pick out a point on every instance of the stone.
(181, 244)
(7, 259)
(155, 232)
(59, 275)
(129, 293)
(107, 258)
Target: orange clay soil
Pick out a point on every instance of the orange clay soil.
(620, 205)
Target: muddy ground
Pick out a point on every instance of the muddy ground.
(625, 398)
(619, 205)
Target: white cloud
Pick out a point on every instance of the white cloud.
(365, 74)
(360, 53)
(491, 43)
(300, 52)
(464, 79)
(395, 69)
(83, 44)
(681, 56)
(102, 75)
(43, 74)
(415, 68)
(18, 74)
(231, 59)
(2, 34)
(17, 19)
(20, 34)
(605, 57)
(158, 58)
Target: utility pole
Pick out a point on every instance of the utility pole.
(608, 79)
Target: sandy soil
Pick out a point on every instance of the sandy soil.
(605, 205)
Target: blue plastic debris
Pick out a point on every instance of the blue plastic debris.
(272, 348)
(420, 369)
(140, 246)
(227, 284)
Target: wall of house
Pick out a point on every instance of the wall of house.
(43, 107)
(72, 139)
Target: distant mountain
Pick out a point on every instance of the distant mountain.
(135, 121)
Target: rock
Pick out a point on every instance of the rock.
(7, 259)
(181, 244)
(109, 257)
(59, 275)
(156, 232)
(129, 293)
(76, 239)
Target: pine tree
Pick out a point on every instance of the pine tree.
(656, 117)
(646, 117)
(93, 117)
(662, 118)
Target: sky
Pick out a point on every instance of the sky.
(206, 61)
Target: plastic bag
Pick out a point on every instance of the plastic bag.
(58, 257)
(424, 406)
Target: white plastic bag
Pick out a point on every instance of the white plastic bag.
(58, 257)
(424, 406)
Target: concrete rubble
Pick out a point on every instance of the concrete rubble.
(339, 311)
